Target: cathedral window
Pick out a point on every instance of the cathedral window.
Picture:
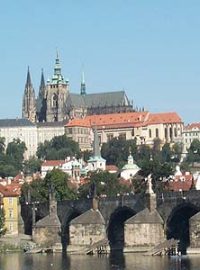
(55, 101)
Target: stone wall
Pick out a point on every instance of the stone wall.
(194, 233)
(46, 236)
(143, 234)
(84, 235)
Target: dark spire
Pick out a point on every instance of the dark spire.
(83, 86)
(28, 79)
(42, 85)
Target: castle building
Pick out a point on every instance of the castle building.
(144, 127)
(55, 103)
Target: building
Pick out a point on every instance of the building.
(71, 166)
(130, 169)
(10, 202)
(190, 132)
(46, 131)
(22, 129)
(144, 127)
(55, 103)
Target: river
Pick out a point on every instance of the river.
(129, 261)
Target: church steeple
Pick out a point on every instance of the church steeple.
(83, 85)
(42, 85)
(41, 100)
(29, 104)
(28, 80)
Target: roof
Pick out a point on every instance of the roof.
(10, 190)
(126, 119)
(104, 99)
(89, 217)
(53, 163)
(114, 120)
(162, 118)
(112, 168)
(145, 217)
(192, 126)
(18, 122)
(51, 220)
(51, 124)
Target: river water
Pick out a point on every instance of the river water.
(84, 262)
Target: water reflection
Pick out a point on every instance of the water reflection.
(117, 260)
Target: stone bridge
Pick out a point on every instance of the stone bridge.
(175, 208)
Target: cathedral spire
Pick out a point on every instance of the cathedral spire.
(29, 103)
(83, 86)
(57, 68)
(28, 79)
(42, 85)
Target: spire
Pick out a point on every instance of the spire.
(57, 68)
(28, 79)
(29, 103)
(83, 86)
(42, 85)
(96, 149)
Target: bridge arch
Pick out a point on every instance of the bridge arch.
(177, 224)
(115, 229)
(71, 214)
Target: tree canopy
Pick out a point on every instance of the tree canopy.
(38, 190)
(58, 148)
(11, 158)
(104, 183)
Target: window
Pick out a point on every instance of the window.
(157, 133)
(10, 201)
(55, 101)
(150, 133)
(10, 213)
(122, 136)
(10, 227)
(109, 137)
(133, 132)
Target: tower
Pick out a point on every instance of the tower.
(96, 162)
(41, 101)
(29, 104)
(57, 90)
(83, 86)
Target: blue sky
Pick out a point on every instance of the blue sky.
(149, 48)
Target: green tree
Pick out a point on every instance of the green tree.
(38, 190)
(116, 151)
(15, 153)
(2, 222)
(59, 180)
(32, 165)
(58, 148)
(194, 152)
(105, 184)
(2, 144)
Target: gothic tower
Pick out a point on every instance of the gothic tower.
(41, 101)
(29, 104)
(57, 91)
(83, 85)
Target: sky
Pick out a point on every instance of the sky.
(149, 48)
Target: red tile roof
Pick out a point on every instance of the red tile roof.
(128, 119)
(12, 190)
(53, 163)
(192, 126)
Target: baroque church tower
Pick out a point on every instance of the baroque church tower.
(57, 91)
(29, 104)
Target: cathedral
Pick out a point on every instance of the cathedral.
(55, 103)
